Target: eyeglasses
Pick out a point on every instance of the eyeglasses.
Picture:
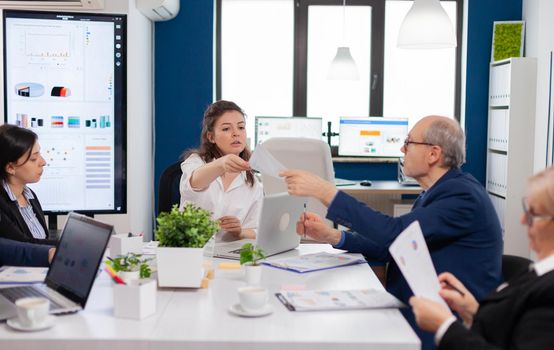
(530, 217)
(408, 142)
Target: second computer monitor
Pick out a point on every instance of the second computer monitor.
(372, 136)
(268, 127)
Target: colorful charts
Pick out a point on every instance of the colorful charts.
(29, 89)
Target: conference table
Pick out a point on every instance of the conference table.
(200, 318)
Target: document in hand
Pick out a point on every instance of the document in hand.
(312, 300)
(22, 275)
(314, 262)
(264, 162)
(411, 254)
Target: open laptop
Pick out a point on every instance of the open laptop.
(72, 272)
(276, 228)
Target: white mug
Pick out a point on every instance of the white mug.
(32, 311)
(252, 299)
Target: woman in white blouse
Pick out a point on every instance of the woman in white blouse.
(217, 176)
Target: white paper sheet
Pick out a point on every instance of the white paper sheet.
(411, 254)
(264, 162)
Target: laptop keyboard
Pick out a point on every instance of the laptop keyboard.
(12, 294)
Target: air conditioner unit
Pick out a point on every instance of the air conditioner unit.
(158, 10)
(53, 4)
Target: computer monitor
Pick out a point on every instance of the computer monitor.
(268, 127)
(65, 79)
(372, 136)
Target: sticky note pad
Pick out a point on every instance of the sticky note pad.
(229, 265)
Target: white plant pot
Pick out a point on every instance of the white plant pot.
(123, 245)
(135, 300)
(180, 267)
(253, 274)
(128, 276)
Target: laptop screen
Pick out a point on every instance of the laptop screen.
(78, 256)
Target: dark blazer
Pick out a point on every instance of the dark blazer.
(23, 254)
(460, 226)
(13, 225)
(520, 316)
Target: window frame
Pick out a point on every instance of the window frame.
(300, 71)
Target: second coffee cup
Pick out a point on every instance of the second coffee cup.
(32, 312)
(253, 299)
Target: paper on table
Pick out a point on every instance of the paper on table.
(22, 275)
(411, 254)
(264, 162)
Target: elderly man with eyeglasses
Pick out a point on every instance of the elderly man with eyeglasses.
(456, 215)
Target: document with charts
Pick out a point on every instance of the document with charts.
(22, 275)
(314, 262)
(411, 254)
(315, 300)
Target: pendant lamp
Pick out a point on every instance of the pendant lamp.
(426, 26)
(343, 66)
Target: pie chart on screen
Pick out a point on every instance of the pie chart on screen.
(29, 89)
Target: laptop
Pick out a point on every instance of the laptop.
(276, 228)
(72, 272)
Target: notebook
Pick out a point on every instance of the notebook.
(276, 228)
(72, 272)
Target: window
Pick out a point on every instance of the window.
(273, 56)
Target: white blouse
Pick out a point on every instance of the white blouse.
(239, 200)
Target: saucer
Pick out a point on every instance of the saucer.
(239, 311)
(48, 322)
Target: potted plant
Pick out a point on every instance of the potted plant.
(249, 258)
(130, 266)
(182, 235)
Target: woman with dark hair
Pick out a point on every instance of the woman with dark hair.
(217, 176)
(21, 216)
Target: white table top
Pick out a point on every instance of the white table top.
(199, 319)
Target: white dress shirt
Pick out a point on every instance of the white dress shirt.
(239, 200)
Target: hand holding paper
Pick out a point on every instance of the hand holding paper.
(264, 162)
(411, 254)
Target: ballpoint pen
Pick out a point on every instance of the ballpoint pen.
(449, 285)
(304, 221)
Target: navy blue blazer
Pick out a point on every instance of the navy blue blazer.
(459, 224)
(23, 254)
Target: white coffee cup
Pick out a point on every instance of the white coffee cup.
(32, 312)
(252, 298)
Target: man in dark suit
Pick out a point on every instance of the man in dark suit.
(520, 314)
(456, 215)
(25, 254)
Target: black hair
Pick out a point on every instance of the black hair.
(15, 142)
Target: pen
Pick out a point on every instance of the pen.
(304, 222)
(113, 275)
(454, 288)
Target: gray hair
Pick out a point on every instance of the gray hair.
(448, 135)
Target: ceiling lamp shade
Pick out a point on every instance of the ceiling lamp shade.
(343, 66)
(426, 26)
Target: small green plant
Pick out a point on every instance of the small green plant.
(191, 228)
(250, 254)
(130, 263)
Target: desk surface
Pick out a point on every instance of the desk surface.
(198, 319)
(381, 187)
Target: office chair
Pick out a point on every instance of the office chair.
(514, 265)
(168, 189)
(300, 153)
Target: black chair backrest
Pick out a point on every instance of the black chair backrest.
(514, 265)
(168, 189)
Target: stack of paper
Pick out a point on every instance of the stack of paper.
(22, 275)
(314, 262)
(311, 300)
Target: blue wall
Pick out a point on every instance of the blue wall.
(481, 15)
(184, 78)
(183, 54)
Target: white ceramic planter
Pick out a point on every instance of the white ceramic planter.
(128, 276)
(180, 267)
(135, 300)
(123, 245)
(253, 274)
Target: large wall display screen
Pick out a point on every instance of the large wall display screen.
(65, 79)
